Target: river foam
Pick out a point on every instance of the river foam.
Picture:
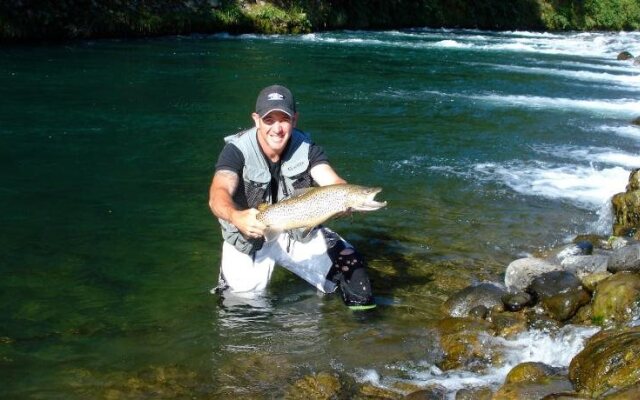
(555, 349)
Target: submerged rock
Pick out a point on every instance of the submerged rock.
(608, 361)
(461, 303)
(368, 391)
(522, 271)
(433, 392)
(615, 298)
(481, 393)
(321, 386)
(508, 324)
(636, 121)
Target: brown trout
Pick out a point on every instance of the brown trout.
(308, 209)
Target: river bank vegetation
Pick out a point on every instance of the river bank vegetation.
(68, 19)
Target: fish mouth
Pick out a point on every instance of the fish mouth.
(370, 203)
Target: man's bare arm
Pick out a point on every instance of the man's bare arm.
(221, 202)
(222, 188)
(324, 175)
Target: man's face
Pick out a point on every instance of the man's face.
(274, 131)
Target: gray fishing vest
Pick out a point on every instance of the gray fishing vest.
(255, 187)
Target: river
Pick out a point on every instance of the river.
(489, 147)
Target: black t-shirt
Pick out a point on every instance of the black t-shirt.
(231, 159)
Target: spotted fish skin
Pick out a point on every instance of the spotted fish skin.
(317, 205)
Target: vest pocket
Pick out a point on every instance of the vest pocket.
(256, 183)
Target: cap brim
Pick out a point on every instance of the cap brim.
(288, 112)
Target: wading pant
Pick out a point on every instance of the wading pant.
(325, 260)
(245, 275)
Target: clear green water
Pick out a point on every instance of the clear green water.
(488, 146)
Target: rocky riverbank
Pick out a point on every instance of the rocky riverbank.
(29, 20)
(593, 282)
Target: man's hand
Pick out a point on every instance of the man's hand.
(247, 224)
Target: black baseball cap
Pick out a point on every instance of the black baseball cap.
(275, 98)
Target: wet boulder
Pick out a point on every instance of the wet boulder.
(530, 372)
(533, 390)
(636, 121)
(616, 298)
(580, 248)
(590, 282)
(608, 361)
(488, 295)
(583, 265)
(522, 271)
(465, 343)
(625, 259)
(560, 293)
(626, 207)
(624, 55)
(516, 301)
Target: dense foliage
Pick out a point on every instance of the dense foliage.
(38, 19)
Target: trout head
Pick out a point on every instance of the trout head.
(361, 198)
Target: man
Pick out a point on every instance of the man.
(266, 164)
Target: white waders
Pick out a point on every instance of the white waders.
(247, 275)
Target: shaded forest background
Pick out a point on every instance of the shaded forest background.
(69, 19)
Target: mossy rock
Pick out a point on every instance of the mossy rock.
(626, 207)
(615, 298)
(630, 392)
(530, 372)
(465, 343)
(508, 324)
(590, 282)
(608, 361)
